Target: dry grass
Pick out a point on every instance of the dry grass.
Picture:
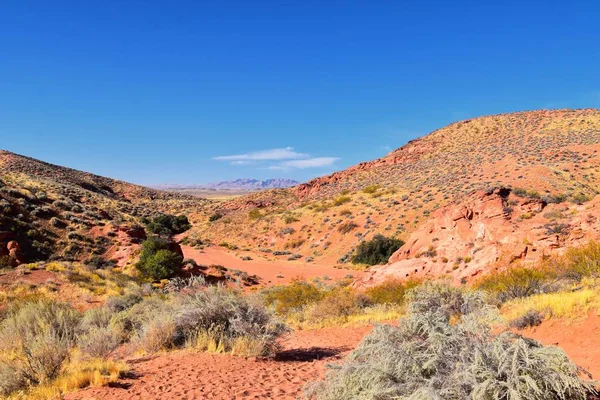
(77, 375)
(570, 304)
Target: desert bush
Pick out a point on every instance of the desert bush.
(339, 302)
(376, 251)
(165, 224)
(338, 201)
(347, 227)
(530, 319)
(215, 217)
(292, 297)
(35, 340)
(518, 281)
(578, 262)
(120, 303)
(98, 341)
(371, 189)
(156, 260)
(255, 214)
(391, 291)
(444, 349)
(231, 316)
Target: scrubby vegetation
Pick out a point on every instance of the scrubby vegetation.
(444, 349)
(40, 339)
(167, 225)
(376, 251)
(157, 260)
(315, 304)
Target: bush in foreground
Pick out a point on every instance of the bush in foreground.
(376, 251)
(444, 349)
(35, 341)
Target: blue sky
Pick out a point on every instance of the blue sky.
(196, 91)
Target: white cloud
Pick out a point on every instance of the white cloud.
(286, 153)
(309, 163)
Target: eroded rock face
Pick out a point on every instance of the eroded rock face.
(10, 249)
(485, 231)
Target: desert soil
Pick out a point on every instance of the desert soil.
(271, 272)
(188, 375)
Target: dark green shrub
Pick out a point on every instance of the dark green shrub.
(376, 251)
(215, 217)
(157, 261)
(167, 225)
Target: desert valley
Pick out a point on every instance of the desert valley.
(462, 265)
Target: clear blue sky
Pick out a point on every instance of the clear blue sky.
(197, 91)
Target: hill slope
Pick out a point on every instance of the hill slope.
(548, 155)
(48, 210)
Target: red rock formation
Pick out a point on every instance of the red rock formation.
(487, 230)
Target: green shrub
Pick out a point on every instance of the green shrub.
(215, 217)
(157, 261)
(376, 251)
(444, 349)
(167, 224)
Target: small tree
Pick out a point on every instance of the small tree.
(167, 225)
(376, 251)
(157, 261)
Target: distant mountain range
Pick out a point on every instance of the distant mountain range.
(237, 184)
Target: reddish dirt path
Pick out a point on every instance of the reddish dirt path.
(267, 270)
(579, 339)
(185, 375)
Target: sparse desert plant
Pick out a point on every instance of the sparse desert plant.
(371, 189)
(231, 316)
(376, 251)
(444, 349)
(391, 291)
(518, 281)
(338, 201)
(292, 297)
(530, 319)
(347, 227)
(35, 341)
(255, 214)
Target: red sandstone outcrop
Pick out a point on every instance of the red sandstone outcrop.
(485, 231)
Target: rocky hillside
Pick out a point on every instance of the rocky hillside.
(52, 211)
(549, 156)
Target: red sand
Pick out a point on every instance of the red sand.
(267, 270)
(579, 339)
(185, 375)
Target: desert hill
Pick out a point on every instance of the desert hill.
(48, 210)
(550, 157)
